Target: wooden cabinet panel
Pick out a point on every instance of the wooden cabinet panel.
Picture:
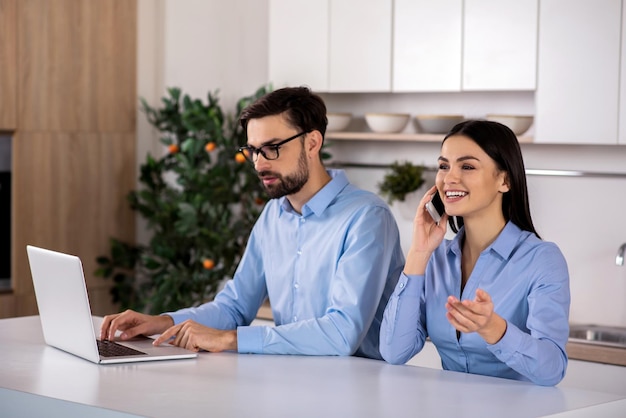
(72, 197)
(77, 62)
(74, 141)
(8, 65)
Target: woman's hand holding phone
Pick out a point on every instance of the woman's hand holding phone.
(427, 235)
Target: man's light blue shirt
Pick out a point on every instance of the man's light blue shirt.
(528, 282)
(328, 273)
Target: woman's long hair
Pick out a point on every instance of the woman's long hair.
(501, 144)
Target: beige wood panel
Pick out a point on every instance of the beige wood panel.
(8, 65)
(7, 305)
(77, 65)
(116, 65)
(71, 197)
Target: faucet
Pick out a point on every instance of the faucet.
(619, 259)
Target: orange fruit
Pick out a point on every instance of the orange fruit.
(208, 264)
(210, 146)
(173, 148)
(240, 158)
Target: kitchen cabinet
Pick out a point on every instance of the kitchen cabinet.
(500, 44)
(298, 43)
(360, 46)
(8, 65)
(77, 66)
(73, 144)
(332, 45)
(427, 48)
(470, 45)
(578, 91)
(404, 45)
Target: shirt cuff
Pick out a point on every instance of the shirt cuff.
(177, 318)
(409, 282)
(250, 339)
(509, 343)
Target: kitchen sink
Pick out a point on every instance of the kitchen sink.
(598, 334)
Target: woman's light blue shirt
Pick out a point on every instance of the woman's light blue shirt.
(328, 273)
(528, 282)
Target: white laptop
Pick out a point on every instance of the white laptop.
(66, 318)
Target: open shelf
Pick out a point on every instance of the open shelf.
(399, 137)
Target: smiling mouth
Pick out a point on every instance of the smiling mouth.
(454, 194)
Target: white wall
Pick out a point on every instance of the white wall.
(216, 44)
(210, 44)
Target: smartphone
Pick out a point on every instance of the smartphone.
(435, 207)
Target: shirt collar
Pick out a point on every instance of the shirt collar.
(503, 245)
(322, 199)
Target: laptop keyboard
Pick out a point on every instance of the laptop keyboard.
(113, 349)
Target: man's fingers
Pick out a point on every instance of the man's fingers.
(167, 334)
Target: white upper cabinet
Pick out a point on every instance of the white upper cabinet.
(621, 139)
(427, 45)
(360, 46)
(500, 44)
(403, 45)
(331, 45)
(578, 84)
(470, 45)
(298, 43)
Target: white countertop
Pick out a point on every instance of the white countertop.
(37, 379)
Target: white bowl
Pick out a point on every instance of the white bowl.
(437, 124)
(517, 123)
(338, 121)
(387, 122)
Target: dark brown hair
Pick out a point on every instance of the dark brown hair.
(303, 109)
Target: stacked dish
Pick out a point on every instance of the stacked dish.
(387, 122)
(437, 124)
(338, 121)
(517, 123)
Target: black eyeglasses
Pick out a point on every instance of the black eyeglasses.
(269, 152)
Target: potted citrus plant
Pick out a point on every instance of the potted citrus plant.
(199, 200)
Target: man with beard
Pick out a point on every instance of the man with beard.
(325, 253)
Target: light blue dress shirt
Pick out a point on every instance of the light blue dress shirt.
(328, 274)
(528, 282)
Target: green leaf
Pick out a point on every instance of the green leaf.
(401, 179)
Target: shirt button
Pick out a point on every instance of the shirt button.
(299, 252)
(401, 285)
(296, 285)
(295, 318)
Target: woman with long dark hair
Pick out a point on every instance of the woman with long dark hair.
(494, 299)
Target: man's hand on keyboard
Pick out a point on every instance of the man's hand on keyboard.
(132, 324)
